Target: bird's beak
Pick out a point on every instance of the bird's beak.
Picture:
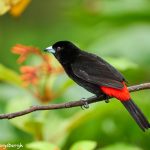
(49, 49)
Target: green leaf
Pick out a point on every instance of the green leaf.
(84, 145)
(9, 76)
(120, 146)
(42, 146)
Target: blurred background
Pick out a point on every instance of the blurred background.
(117, 30)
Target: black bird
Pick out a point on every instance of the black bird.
(97, 76)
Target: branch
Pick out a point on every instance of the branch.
(71, 104)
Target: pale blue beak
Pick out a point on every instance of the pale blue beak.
(50, 49)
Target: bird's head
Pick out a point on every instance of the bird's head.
(64, 51)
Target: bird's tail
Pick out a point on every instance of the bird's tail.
(137, 115)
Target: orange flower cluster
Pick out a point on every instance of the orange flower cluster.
(33, 76)
(24, 51)
(29, 75)
(17, 9)
(14, 7)
(3, 147)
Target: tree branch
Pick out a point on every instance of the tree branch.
(71, 104)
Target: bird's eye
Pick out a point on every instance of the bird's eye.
(59, 48)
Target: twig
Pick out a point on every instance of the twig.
(71, 104)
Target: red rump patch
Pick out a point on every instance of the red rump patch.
(121, 94)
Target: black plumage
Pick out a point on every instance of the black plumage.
(92, 72)
(137, 115)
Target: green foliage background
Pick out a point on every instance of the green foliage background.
(117, 30)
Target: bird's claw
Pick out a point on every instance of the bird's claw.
(85, 104)
(106, 99)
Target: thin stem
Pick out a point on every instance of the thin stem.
(70, 104)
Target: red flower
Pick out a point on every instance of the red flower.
(29, 75)
(24, 51)
(41, 72)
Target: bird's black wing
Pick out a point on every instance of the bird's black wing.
(94, 69)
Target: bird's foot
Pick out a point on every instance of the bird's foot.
(85, 104)
(106, 98)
